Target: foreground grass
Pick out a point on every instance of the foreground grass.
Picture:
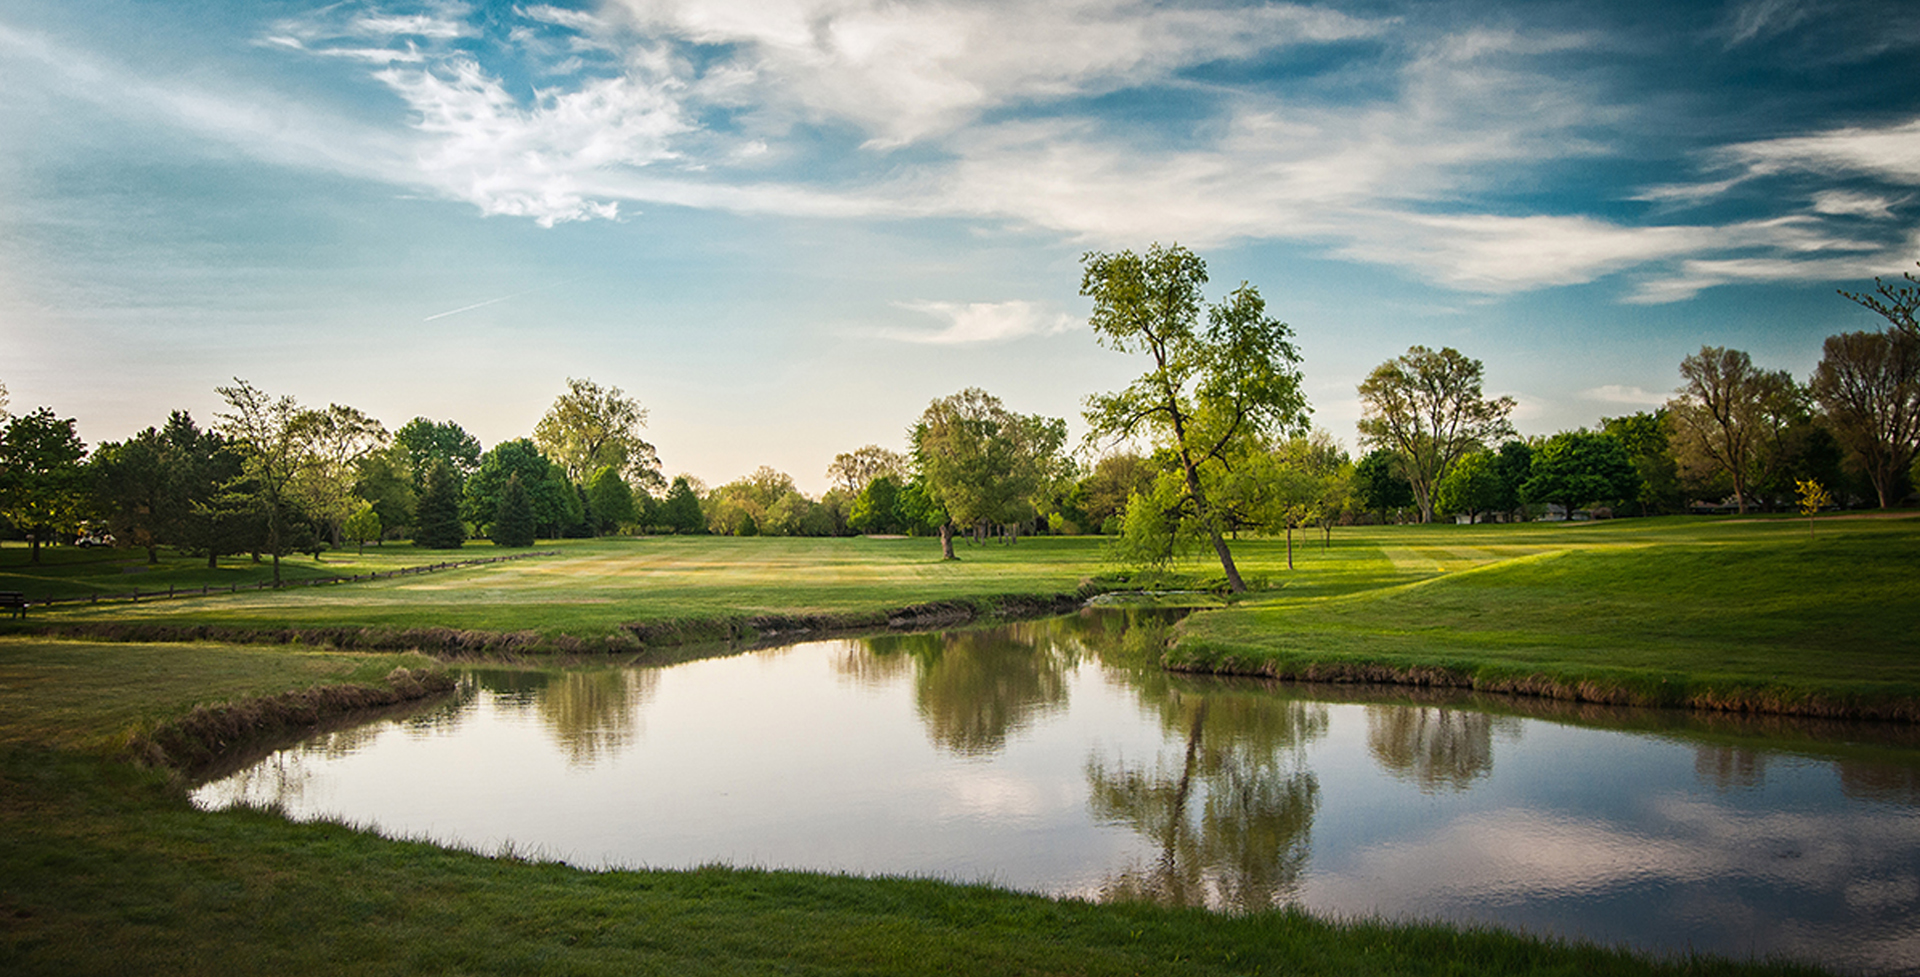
(106, 868)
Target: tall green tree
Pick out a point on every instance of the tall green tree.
(1207, 394)
(1648, 438)
(1379, 486)
(423, 441)
(438, 524)
(854, 470)
(1427, 408)
(982, 463)
(1868, 388)
(1472, 486)
(1576, 468)
(680, 511)
(590, 427)
(513, 523)
(267, 433)
(334, 441)
(43, 488)
(610, 500)
(1730, 417)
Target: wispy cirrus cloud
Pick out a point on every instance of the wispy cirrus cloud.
(982, 322)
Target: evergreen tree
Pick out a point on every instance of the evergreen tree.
(437, 522)
(513, 524)
(681, 510)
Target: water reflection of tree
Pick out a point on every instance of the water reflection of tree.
(595, 714)
(1890, 783)
(1231, 819)
(1437, 748)
(1728, 767)
(974, 688)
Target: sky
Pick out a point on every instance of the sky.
(785, 226)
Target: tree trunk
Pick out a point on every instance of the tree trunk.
(1289, 546)
(946, 541)
(33, 547)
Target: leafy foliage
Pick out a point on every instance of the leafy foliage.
(1208, 396)
(438, 526)
(1427, 408)
(592, 427)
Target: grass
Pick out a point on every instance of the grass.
(105, 868)
(1747, 614)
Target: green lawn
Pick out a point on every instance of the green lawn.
(1671, 611)
(105, 868)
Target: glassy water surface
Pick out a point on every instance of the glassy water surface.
(1042, 756)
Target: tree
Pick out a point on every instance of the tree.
(363, 525)
(132, 489)
(43, 488)
(855, 469)
(590, 427)
(1868, 386)
(1813, 498)
(873, 507)
(1472, 486)
(438, 524)
(1426, 407)
(610, 500)
(423, 441)
(1115, 478)
(385, 479)
(1728, 417)
(554, 502)
(334, 442)
(1647, 436)
(681, 510)
(1896, 303)
(266, 433)
(1378, 485)
(982, 463)
(1578, 467)
(513, 523)
(1208, 394)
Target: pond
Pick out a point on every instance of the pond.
(1049, 756)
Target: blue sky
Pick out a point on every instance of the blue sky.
(786, 225)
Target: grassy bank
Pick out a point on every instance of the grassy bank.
(1748, 615)
(106, 868)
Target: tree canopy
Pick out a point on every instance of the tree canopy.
(1728, 417)
(42, 486)
(982, 463)
(1426, 406)
(590, 427)
(1208, 394)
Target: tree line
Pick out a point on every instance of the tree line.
(1209, 443)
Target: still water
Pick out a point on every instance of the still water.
(1047, 756)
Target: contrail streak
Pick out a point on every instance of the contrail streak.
(503, 298)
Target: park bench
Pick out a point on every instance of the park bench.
(15, 601)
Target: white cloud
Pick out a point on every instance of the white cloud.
(534, 162)
(1889, 152)
(983, 322)
(907, 71)
(1614, 393)
(1845, 202)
